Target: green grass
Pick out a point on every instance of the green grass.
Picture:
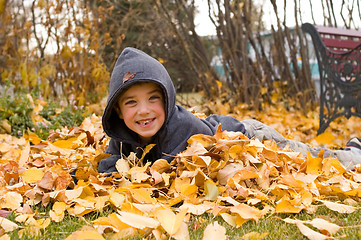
(276, 228)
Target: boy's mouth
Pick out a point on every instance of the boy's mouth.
(145, 122)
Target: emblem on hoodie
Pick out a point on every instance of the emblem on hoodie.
(128, 76)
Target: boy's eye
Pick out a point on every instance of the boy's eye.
(130, 102)
(154, 97)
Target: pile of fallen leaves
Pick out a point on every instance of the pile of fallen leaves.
(225, 175)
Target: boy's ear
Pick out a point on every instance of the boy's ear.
(117, 110)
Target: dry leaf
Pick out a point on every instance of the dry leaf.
(214, 231)
(254, 236)
(137, 221)
(32, 175)
(7, 225)
(322, 224)
(11, 200)
(122, 166)
(85, 233)
(311, 234)
(230, 219)
(210, 190)
(182, 233)
(169, 221)
(338, 207)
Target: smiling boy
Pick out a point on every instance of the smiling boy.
(141, 109)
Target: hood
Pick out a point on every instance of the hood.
(134, 66)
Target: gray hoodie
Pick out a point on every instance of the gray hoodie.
(134, 66)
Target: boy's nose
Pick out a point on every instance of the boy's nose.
(143, 108)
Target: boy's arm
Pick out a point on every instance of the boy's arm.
(107, 165)
(228, 123)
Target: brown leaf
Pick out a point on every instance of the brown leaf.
(47, 182)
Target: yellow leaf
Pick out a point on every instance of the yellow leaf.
(338, 207)
(205, 140)
(24, 74)
(32, 175)
(325, 138)
(122, 166)
(285, 206)
(85, 233)
(314, 165)
(160, 165)
(219, 83)
(24, 155)
(5, 236)
(4, 148)
(146, 150)
(143, 195)
(198, 209)
(33, 138)
(247, 212)
(69, 143)
(214, 231)
(230, 219)
(7, 225)
(169, 221)
(254, 236)
(5, 123)
(42, 223)
(137, 221)
(227, 172)
(111, 220)
(11, 200)
(116, 199)
(210, 190)
(264, 90)
(57, 213)
(309, 233)
(245, 173)
(195, 148)
(324, 225)
(332, 164)
(188, 189)
(73, 194)
(183, 232)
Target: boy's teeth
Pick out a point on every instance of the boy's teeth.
(145, 122)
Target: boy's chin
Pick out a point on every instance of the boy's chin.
(146, 138)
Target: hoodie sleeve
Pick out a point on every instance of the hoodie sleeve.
(228, 123)
(113, 147)
(180, 127)
(107, 165)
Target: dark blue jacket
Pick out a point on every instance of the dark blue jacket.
(179, 123)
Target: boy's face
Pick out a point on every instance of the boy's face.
(142, 109)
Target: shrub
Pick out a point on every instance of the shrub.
(17, 110)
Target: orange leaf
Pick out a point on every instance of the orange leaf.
(325, 138)
(285, 206)
(314, 165)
